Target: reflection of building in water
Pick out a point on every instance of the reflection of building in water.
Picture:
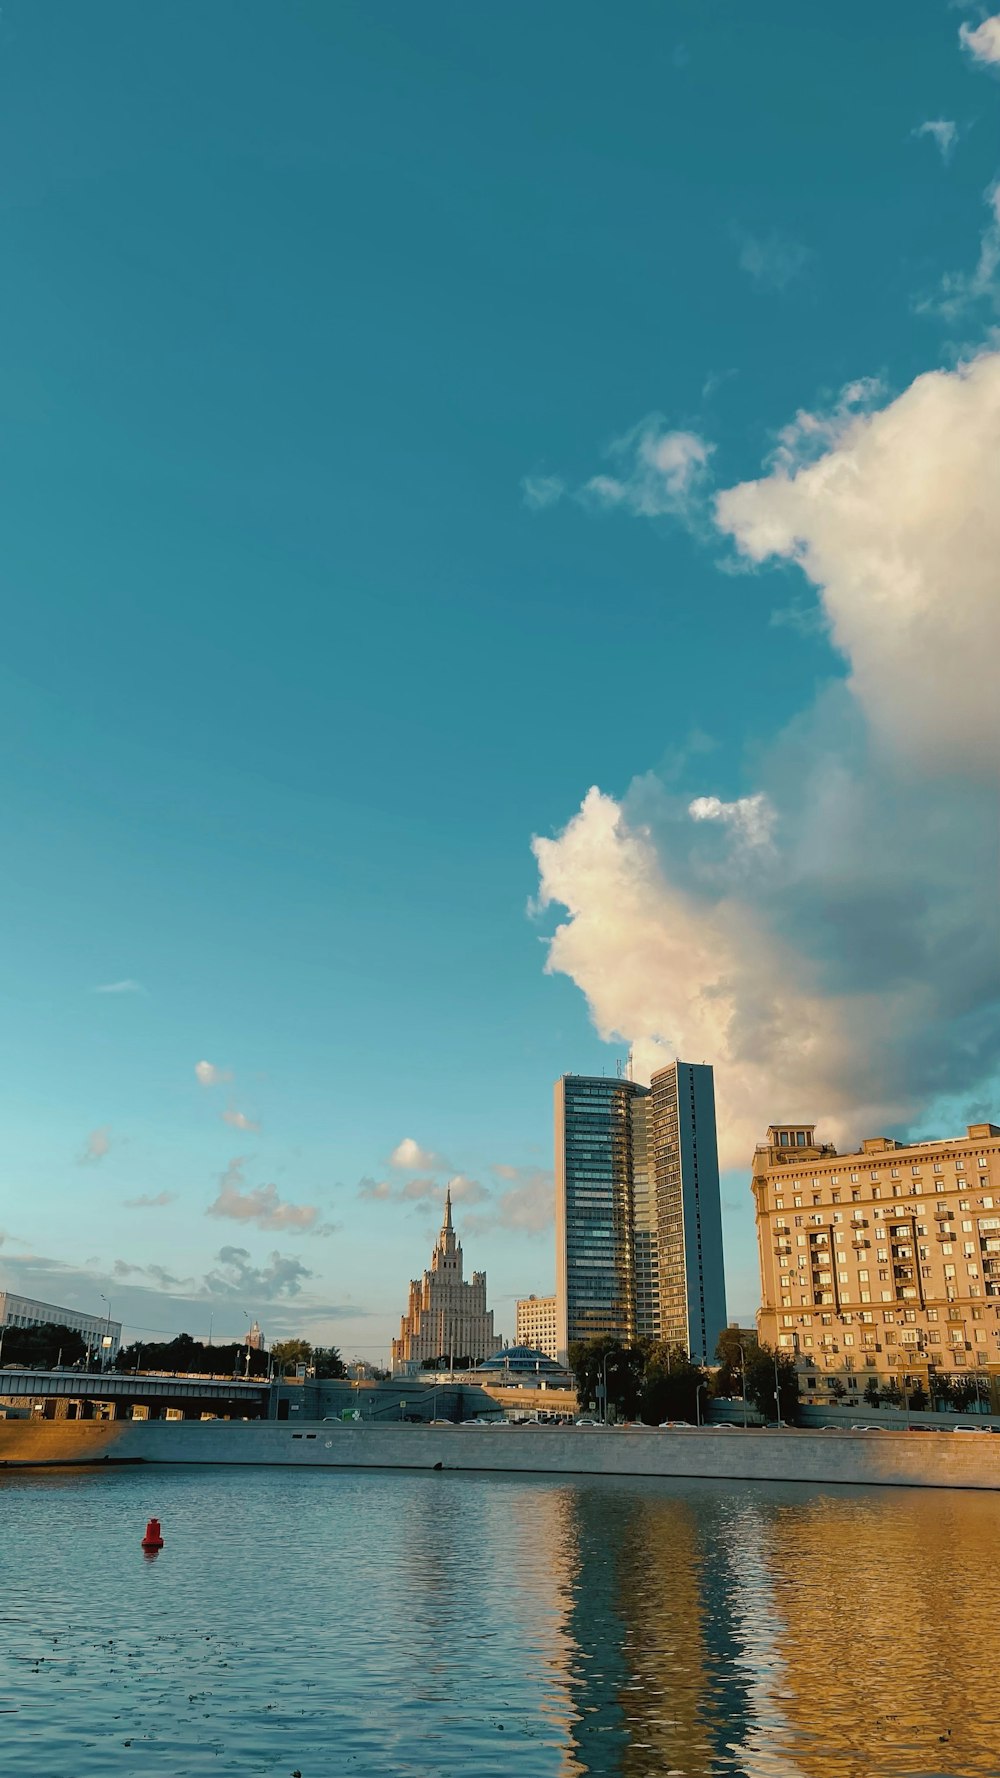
(671, 1711)
(883, 1625)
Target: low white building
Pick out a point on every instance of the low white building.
(24, 1311)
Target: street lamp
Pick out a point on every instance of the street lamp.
(106, 1342)
(743, 1380)
(777, 1391)
(697, 1401)
(604, 1372)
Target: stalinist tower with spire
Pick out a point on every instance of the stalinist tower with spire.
(446, 1318)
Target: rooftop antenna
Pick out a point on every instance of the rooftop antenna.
(618, 1066)
(628, 1065)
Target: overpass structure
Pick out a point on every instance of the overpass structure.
(110, 1395)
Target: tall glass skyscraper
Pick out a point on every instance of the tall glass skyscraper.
(638, 1218)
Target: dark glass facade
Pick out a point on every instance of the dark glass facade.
(638, 1218)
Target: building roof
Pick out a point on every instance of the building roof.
(522, 1359)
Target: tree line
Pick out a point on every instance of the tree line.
(653, 1381)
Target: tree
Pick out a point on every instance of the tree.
(918, 1398)
(44, 1346)
(670, 1385)
(592, 1360)
(872, 1396)
(763, 1365)
(727, 1379)
(285, 1352)
(188, 1356)
(837, 1389)
(327, 1362)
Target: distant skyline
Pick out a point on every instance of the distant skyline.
(501, 528)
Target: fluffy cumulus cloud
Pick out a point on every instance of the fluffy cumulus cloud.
(97, 1145)
(846, 969)
(982, 41)
(943, 132)
(898, 525)
(261, 1205)
(409, 1157)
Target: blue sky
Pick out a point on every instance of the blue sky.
(376, 383)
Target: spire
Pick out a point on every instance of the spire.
(447, 1207)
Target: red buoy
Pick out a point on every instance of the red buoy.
(153, 1539)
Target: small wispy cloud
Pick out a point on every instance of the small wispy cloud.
(772, 261)
(126, 986)
(960, 291)
(145, 1202)
(97, 1145)
(540, 491)
(209, 1075)
(262, 1206)
(942, 132)
(238, 1119)
(659, 472)
(982, 41)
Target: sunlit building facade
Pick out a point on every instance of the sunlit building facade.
(638, 1216)
(446, 1317)
(535, 1324)
(883, 1264)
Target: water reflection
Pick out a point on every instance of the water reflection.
(437, 1626)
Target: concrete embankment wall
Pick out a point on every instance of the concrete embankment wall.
(886, 1459)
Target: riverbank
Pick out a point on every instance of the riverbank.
(889, 1459)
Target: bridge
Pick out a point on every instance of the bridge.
(56, 1394)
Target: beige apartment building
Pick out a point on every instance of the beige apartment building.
(884, 1263)
(535, 1324)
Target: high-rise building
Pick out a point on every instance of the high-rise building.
(535, 1324)
(446, 1317)
(883, 1264)
(638, 1218)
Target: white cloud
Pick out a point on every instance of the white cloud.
(660, 472)
(145, 1202)
(261, 1205)
(211, 1076)
(773, 262)
(97, 1145)
(982, 41)
(853, 976)
(238, 1119)
(128, 986)
(410, 1157)
(750, 817)
(942, 132)
(961, 291)
(898, 525)
(540, 491)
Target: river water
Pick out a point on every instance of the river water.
(411, 1625)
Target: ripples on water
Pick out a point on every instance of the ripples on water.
(414, 1625)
